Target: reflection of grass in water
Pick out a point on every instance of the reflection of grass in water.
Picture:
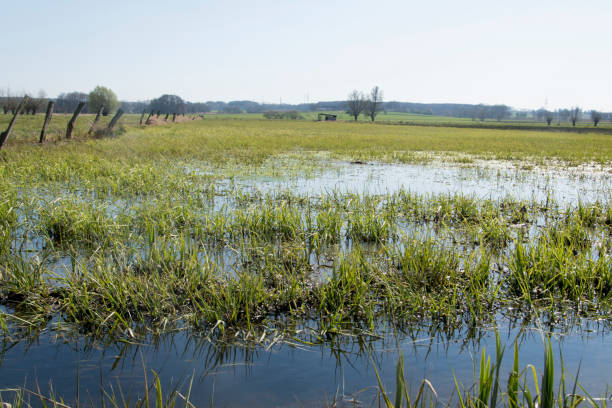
(529, 388)
(489, 390)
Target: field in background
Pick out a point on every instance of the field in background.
(413, 118)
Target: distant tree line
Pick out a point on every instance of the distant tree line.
(572, 115)
(67, 102)
(369, 104)
(10, 101)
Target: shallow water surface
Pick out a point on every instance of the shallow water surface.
(292, 373)
(565, 187)
(289, 374)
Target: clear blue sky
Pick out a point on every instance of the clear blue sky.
(513, 52)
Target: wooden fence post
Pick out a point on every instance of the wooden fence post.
(115, 119)
(95, 122)
(141, 118)
(4, 135)
(148, 121)
(43, 132)
(75, 115)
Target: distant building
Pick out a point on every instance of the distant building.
(326, 117)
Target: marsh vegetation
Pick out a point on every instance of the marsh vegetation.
(205, 231)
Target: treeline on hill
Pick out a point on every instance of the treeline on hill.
(174, 104)
(67, 103)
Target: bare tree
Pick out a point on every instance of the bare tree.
(36, 104)
(548, 115)
(595, 117)
(574, 115)
(356, 104)
(374, 103)
(11, 101)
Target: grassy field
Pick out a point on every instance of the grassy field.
(217, 141)
(413, 118)
(148, 231)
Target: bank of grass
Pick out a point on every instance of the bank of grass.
(27, 128)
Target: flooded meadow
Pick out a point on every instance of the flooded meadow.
(300, 279)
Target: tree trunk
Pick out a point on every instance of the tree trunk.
(96, 120)
(43, 132)
(166, 118)
(148, 121)
(115, 119)
(4, 135)
(174, 117)
(141, 118)
(75, 115)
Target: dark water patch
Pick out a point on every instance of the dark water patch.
(290, 373)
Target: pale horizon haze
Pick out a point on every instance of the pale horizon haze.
(521, 53)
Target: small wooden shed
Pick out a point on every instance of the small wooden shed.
(326, 117)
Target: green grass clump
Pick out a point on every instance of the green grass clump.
(72, 221)
(556, 274)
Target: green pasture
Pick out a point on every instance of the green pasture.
(432, 120)
(254, 140)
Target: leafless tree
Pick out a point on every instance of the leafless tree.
(356, 104)
(548, 115)
(35, 104)
(12, 102)
(595, 117)
(374, 103)
(574, 115)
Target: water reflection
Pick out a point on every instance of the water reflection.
(291, 372)
(566, 186)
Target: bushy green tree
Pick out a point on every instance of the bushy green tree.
(103, 96)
